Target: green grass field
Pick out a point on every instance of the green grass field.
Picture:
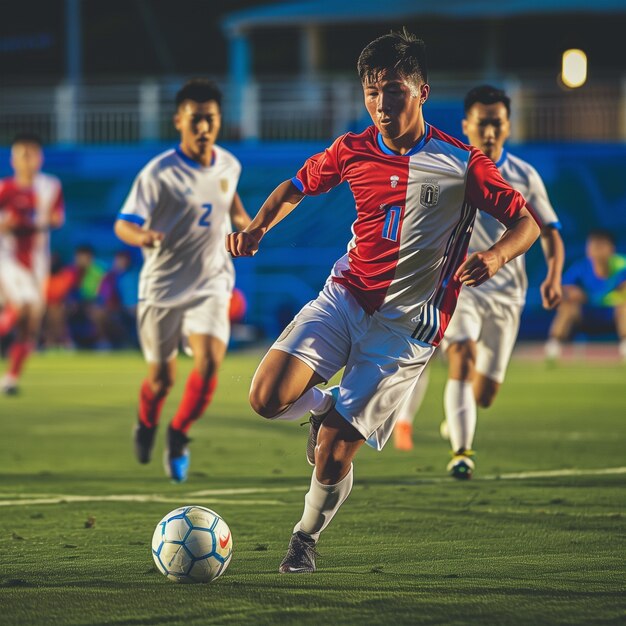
(410, 546)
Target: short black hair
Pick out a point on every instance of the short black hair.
(602, 233)
(27, 137)
(199, 90)
(399, 51)
(487, 94)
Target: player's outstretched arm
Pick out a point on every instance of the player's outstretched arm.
(517, 239)
(135, 235)
(238, 216)
(554, 253)
(282, 201)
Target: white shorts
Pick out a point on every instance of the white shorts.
(381, 366)
(161, 329)
(491, 324)
(21, 285)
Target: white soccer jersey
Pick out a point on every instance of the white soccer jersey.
(510, 283)
(190, 204)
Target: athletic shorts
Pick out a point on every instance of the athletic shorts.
(162, 329)
(491, 324)
(381, 365)
(21, 285)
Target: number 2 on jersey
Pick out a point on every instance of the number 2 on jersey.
(204, 218)
(391, 226)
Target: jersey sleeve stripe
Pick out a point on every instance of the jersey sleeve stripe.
(297, 183)
(134, 219)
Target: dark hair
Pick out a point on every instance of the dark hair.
(486, 94)
(602, 233)
(27, 138)
(199, 90)
(401, 51)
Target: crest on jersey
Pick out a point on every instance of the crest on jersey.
(224, 185)
(429, 196)
(393, 181)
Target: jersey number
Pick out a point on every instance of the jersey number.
(204, 218)
(391, 227)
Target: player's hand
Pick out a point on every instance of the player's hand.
(478, 268)
(551, 293)
(243, 243)
(151, 239)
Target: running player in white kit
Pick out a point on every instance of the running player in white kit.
(482, 333)
(179, 210)
(389, 299)
(31, 204)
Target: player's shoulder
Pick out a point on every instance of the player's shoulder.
(227, 158)
(159, 163)
(520, 166)
(449, 150)
(355, 141)
(48, 180)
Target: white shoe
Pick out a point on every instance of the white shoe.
(9, 385)
(443, 430)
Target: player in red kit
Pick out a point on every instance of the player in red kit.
(387, 303)
(31, 204)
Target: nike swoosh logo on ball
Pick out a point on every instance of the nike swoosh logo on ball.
(224, 542)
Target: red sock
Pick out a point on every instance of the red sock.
(150, 405)
(17, 355)
(8, 318)
(198, 394)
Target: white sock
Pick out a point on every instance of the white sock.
(414, 399)
(321, 503)
(315, 399)
(552, 349)
(460, 408)
(622, 349)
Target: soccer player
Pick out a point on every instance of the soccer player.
(388, 300)
(482, 333)
(594, 291)
(179, 210)
(31, 204)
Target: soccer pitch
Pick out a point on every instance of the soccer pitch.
(538, 537)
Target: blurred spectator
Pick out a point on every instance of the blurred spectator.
(118, 297)
(594, 294)
(62, 280)
(85, 313)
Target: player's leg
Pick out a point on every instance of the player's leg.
(159, 332)
(331, 483)
(459, 402)
(380, 371)
(568, 316)
(403, 430)
(460, 406)
(620, 325)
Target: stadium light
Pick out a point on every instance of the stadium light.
(574, 68)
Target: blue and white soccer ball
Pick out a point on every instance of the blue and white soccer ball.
(192, 544)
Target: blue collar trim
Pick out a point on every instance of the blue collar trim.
(502, 158)
(415, 149)
(191, 162)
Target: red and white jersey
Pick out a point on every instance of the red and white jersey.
(510, 283)
(415, 214)
(30, 210)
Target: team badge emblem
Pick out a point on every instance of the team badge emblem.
(393, 180)
(429, 196)
(224, 185)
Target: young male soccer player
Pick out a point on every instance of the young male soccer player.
(594, 290)
(31, 204)
(388, 300)
(179, 210)
(481, 335)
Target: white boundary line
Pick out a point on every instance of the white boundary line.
(37, 499)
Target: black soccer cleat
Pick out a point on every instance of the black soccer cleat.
(144, 442)
(316, 420)
(300, 557)
(461, 466)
